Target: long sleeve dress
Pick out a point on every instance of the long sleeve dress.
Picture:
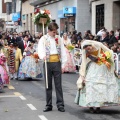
(69, 65)
(101, 86)
(29, 68)
(4, 74)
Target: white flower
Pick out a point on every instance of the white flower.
(42, 12)
(50, 16)
(34, 19)
(36, 14)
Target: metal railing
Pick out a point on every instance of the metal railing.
(77, 56)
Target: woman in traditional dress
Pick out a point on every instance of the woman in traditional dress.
(69, 66)
(11, 60)
(4, 74)
(30, 65)
(97, 83)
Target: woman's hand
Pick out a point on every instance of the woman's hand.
(62, 70)
(36, 60)
(23, 56)
(83, 78)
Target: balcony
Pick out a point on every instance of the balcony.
(42, 2)
(36, 2)
(93, 0)
(5, 1)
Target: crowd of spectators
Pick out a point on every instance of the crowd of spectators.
(111, 39)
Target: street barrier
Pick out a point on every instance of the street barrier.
(77, 56)
(118, 64)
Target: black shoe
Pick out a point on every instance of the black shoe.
(47, 109)
(92, 110)
(61, 109)
(11, 78)
(98, 110)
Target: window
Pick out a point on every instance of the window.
(10, 7)
(99, 17)
(14, 6)
(23, 17)
(3, 7)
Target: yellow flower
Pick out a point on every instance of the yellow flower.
(99, 63)
(70, 47)
(108, 54)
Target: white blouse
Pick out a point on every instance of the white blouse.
(53, 49)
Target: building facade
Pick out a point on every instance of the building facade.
(2, 14)
(70, 15)
(105, 13)
(13, 15)
(27, 15)
(16, 15)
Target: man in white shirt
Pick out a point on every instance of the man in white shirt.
(51, 49)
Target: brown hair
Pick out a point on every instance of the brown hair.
(85, 46)
(53, 26)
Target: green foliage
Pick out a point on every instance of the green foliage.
(37, 19)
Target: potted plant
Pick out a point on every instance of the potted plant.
(42, 16)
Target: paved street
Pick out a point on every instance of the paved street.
(25, 100)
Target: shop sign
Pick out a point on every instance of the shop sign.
(69, 10)
(60, 14)
(15, 16)
(69, 15)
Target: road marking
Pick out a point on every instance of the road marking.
(22, 97)
(31, 107)
(11, 87)
(8, 96)
(42, 117)
(17, 94)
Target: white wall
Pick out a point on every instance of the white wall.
(8, 1)
(83, 16)
(108, 15)
(0, 6)
(18, 5)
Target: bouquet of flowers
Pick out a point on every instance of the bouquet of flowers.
(41, 14)
(105, 58)
(70, 47)
(35, 55)
(77, 55)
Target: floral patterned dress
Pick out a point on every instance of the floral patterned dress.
(4, 76)
(29, 68)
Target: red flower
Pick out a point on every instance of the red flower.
(98, 59)
(56, 39)
(36, 11)
(103, 55)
